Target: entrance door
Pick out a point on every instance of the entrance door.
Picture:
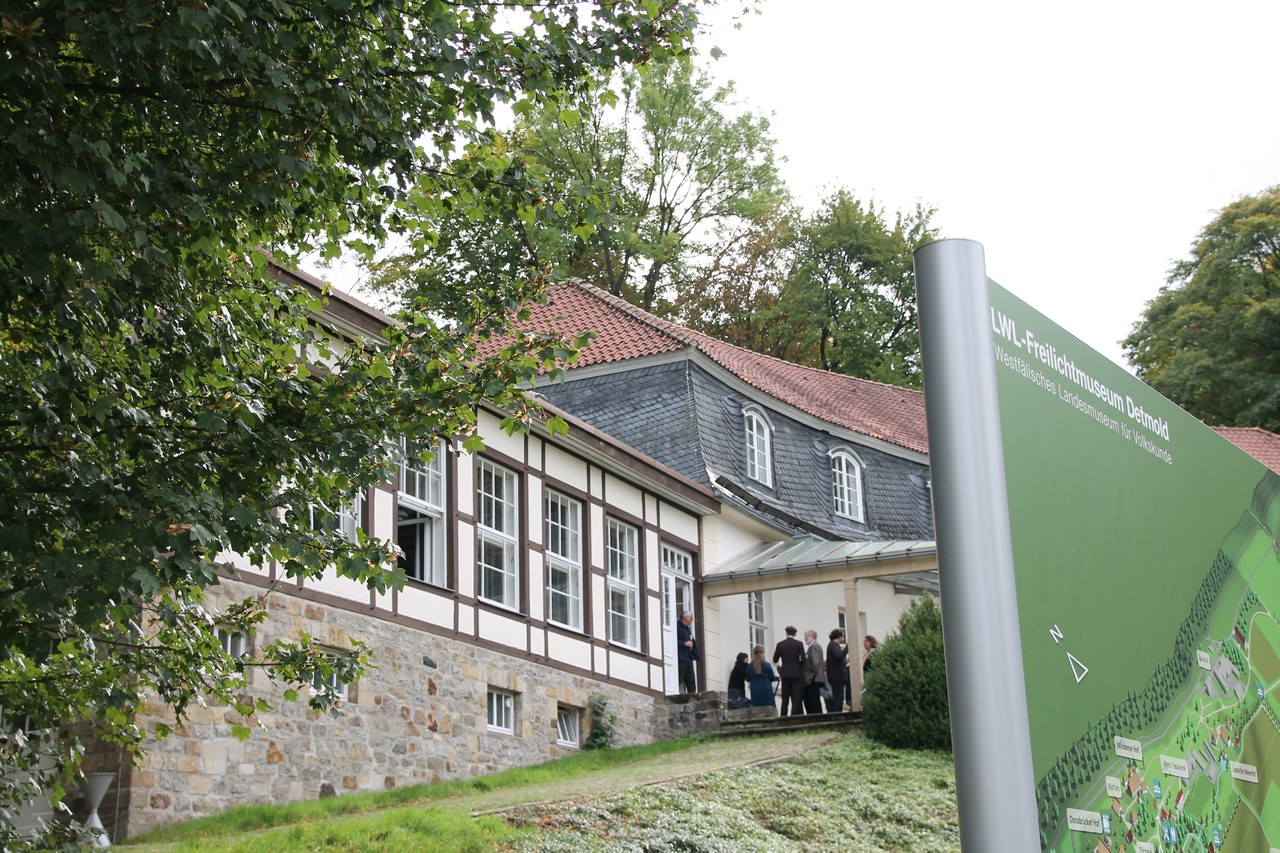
(677, 597)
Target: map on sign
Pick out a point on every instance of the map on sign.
(1188, 777)
(1147, 566)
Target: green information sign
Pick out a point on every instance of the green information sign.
(1144, 563)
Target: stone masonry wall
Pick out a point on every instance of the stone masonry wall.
(406, 722)
(689, 713)
(698, 713)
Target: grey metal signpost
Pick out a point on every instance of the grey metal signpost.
(989, 728)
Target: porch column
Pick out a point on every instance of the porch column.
(713, 673)
(854, 639)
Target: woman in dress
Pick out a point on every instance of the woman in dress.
(760, 676)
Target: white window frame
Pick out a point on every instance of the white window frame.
(500, 711)
(758, 440)
(846, 485)
(333, 679)
(677, 560)
(569, 726)
(347, 519)
(233, 642)
(421, 514)
(623, 559)
(497, 533)
(563, 518)
(757, 623)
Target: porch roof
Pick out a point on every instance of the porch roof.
(912, 566)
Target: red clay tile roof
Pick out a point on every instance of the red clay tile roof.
(622, 331)
(885, 412)
(1257, 442)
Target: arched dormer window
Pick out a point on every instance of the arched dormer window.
(759, 443)
(846, 485)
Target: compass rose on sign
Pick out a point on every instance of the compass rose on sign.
(1078, 669)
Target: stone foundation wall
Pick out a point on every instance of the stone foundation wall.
(419, 717)
(695, 713)
(688, 713)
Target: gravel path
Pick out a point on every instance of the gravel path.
(703, 758)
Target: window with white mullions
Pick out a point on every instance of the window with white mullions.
(497, 527)
(759, 446)
(568, 725)
(331, 679)
(420, 481)
(564, 560)
(757, 625)
(501, 712)
(232, 642)
(420, 519)
(346, 519)
(624, 584)
(677, 560)
(846, 485)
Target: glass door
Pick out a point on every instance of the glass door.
(677, 598)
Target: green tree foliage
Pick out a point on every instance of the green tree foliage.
(736, 292)
(154, 412)
(853, 280)
(905, 698)
(1210, 340)
(632, 182)
(833, 290)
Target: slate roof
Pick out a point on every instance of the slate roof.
(1257, 442)
(679, 396)
(651, 410)
(885, 412)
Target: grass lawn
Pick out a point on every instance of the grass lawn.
(850, 794)
(853, 795)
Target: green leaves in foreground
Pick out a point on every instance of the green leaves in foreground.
(167, 398)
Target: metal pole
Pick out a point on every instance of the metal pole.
(990, 735)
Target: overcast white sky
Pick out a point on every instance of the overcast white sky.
(1084, 145)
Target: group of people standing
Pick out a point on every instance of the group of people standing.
(808, 676)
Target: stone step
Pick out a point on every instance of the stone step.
(735, 726)
(708, 712)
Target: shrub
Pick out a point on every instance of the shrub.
(603, 732)
(904, 703)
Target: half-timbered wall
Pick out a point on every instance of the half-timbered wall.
(464, 682)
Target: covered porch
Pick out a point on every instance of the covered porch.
(910, 567)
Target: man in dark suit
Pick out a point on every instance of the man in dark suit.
(687, 653)
(812, 673)
(789, 658)
(837, 671)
